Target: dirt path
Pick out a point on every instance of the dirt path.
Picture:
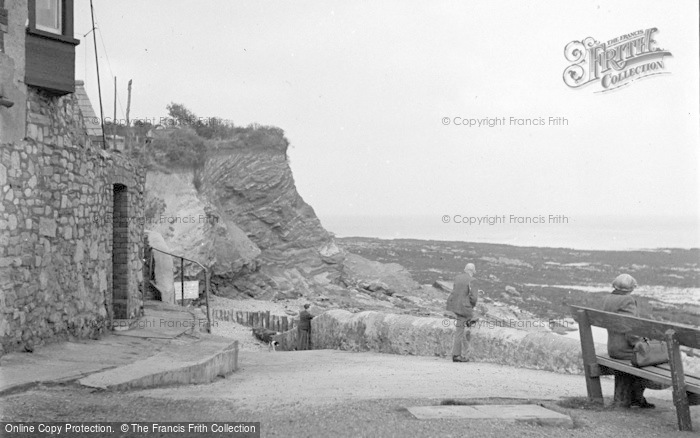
(330, 376)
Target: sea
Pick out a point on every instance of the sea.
(611, 233)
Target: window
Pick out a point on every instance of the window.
(50, 46)
(48, 16)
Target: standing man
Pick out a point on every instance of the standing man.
(461, 302)
(304, 330)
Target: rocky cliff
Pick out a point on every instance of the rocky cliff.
(254, 188)
(242, 215)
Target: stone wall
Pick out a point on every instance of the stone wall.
(56, 229)
(403, 334)
(12, 60)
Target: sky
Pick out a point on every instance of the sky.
(361, 90)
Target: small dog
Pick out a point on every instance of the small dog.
(265, 335)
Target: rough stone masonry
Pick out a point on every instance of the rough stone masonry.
(64, 204)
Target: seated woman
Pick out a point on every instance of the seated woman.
(629, 389)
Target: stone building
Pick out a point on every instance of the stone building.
(70, 212)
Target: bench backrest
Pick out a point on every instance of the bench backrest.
(687, 335)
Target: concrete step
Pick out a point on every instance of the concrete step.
(527, 413)
(179, 363)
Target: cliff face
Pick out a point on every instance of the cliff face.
(190, 226)
(255, 189)
(248, 222)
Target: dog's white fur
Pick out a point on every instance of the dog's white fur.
(271, 345)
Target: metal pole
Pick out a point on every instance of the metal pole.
(206, 288)
(128, 123)
(114, 120)
(99, 88)
(182, 279)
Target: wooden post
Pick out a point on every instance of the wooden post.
(207, 279)
(114, 120)
(97, 65)
(590, 364)
(127, 141)
(267, 319)
(680, 397)
(182, 279)
(285, 324)
(235, 355)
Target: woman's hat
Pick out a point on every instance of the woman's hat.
(624, 283)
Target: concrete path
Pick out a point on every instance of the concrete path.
(180, 363)
(165, 346)
(267, 379)
(67, 361)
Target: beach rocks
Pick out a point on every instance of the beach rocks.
(390, 278)
(445, 286)
(510, 290)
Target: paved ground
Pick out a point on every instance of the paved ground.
(333, 393)
(164, 327)
(328, 376)
(310, 393)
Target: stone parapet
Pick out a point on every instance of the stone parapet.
(420, 336)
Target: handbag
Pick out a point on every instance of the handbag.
(650, 352)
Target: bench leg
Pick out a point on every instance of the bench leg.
(590, 364)
(680, 397)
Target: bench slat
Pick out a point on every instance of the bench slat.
(685, 334)
(655, 373)
(667, 367)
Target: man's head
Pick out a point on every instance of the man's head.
(307, 305)
(624, 283)
(470, 269)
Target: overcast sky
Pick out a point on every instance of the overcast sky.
(361, 88)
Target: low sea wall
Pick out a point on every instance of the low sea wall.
(420, 336)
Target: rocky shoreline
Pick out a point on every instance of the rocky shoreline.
(548, 280)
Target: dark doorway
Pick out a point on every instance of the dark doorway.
(120, 259)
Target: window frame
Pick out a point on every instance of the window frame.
(60, 19)
(66, 34)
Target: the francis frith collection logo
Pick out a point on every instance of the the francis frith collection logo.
(615, 63)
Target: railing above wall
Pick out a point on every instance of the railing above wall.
(182, 280)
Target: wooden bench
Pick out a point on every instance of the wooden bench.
(675, 335)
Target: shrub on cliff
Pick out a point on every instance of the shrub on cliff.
(205, 127)
(179, 148)
(255, 137)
